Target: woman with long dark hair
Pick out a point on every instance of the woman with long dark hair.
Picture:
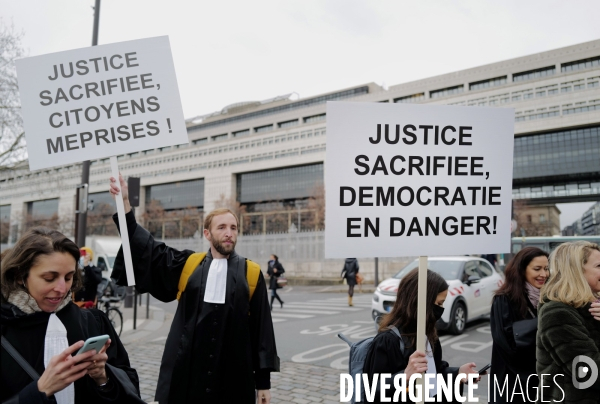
(41, 323)
(513, 322)
(384, 355)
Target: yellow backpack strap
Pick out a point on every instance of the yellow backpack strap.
(190, 266)
(252, 275)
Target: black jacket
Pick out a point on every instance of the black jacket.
(273, 276)
(508, 361)
(384, 356)
(350, 270)
(215, 353)
(565, 333)
(92, 276)
(26, 333)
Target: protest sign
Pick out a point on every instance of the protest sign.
(100, 101)
(410, 180)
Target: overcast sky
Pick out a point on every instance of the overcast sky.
(231, 51)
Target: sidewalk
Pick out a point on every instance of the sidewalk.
(295, 383)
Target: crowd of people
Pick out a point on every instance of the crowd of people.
(544, 318)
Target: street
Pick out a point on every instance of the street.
(312, 356)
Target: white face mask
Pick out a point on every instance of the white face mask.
(81, 262)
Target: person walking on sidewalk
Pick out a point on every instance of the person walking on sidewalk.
(274, 271)
(221, 346)
(349, 273)
(92, 276)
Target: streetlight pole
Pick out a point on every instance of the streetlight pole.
(81, 219)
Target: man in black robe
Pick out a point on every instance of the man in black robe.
(215, 353)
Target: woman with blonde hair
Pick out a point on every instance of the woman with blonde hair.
(569, 324)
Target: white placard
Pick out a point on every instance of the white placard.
(100, 101)
(409, 180)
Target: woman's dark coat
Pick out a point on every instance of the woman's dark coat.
(273, 276)
(564, 333)
(26, 333)
(508, 361)
(92, 276)
(384, 356)
(350, 270)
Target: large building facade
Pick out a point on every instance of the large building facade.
(266, 159)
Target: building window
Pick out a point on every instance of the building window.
(314, 118)
(557, 154)
(279, 184)
(580, 64)
(177, 195)
(529, 219)
(542, 218)
(4, 223)
(262, 129)
(534, 74)
(198, 142)
(478, 85)
(288, 124)
(218, 138)
(241, 133)
(410, 98)
(42, 213)
(443, 92)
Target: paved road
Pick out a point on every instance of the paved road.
(306, 332)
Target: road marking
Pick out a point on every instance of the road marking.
(158, 339)
(316, 306)
(278, 320)
(294, 310)
(453, 339)
(278, 314)
(477, 346)
(302, 357)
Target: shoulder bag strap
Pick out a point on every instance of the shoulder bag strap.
(19, 359)
(188, 269)
(397, 332)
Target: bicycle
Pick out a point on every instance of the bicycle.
(109, 295)
(112, 312)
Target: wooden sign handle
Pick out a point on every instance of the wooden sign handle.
(123, 225)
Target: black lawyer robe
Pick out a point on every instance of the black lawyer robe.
(508, 361)
(215, 353)
(26, 333)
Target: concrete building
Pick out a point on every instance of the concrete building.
(587, 225)
(267, 156)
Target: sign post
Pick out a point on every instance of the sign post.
(101, 102)
(417, 180)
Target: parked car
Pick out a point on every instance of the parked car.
(472, 282)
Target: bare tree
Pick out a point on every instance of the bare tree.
(12, 136)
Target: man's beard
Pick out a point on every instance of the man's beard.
(221, 248)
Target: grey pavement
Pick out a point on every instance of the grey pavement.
(295, 383)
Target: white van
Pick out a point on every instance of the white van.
(105, 250)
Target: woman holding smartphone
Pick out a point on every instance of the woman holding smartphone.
(513, 323)
(42, 329)
(384, 355)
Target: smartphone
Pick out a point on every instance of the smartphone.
(94, 343)
(483, 369)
